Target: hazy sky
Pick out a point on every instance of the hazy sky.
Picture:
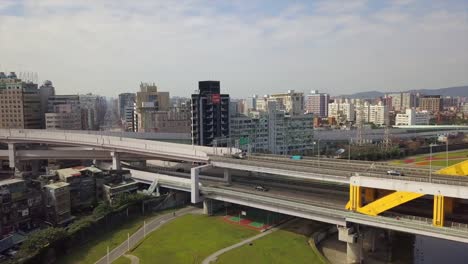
(252, 46)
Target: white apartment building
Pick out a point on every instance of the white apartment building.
(411, 118)
(273, 131)
(378, 114)
(342, 110)
(292, 102)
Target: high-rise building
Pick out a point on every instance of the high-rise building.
(378, 114)
(317, 103)
(449, 102)
(46, 90)
(273, 131)
(20, 103)
(148, 102)
(64, 113)
(431, 103)
(403, 101)
(251, 103)
(210, 114)
(125, 100)
(93, 108)
(292, 102)
(342, 110)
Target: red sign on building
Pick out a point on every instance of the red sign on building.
(215, 98)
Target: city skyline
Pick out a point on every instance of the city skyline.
(266, 47)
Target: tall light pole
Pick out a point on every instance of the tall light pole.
(349, 150)
(318, 151)
(430, 162)
(446, 151)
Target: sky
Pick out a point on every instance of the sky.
(252, 46)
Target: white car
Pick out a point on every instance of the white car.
(394, 173)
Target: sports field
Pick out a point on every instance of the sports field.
(438, 159)
(190, 239)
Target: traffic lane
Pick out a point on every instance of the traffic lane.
(313, 198)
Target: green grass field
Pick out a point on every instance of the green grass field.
(278, 247)
(97, 248)
(190, 239)
(438, 159)
(122, 260)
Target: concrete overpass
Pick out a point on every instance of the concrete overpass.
(113, 144)
(322, 171)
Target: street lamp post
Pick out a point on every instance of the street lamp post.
(446, 151)
(430, 162)
(349, 151)
(318, 152)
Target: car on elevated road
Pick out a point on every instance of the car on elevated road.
(395, 173)
(261, 188)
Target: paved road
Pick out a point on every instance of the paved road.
(151, 226)
(213, 257)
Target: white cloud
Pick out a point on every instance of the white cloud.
(110, 46)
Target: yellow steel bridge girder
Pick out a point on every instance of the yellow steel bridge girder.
(355, 201)
(459, 169)
(388, 202)
(439, 211)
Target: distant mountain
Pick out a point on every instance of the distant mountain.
(450, 91)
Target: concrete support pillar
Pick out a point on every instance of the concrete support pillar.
(369, 239)
(227, 176)
(208, 207)
(194, 181)
(353, 253)
(116, 161)
(12, 155)
(353, 244)
(35, 167)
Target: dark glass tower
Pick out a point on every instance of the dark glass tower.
(210, 114)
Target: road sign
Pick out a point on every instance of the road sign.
(243, 141)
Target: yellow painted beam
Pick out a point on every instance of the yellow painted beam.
(388, 202)
(459, 169)
(354, 197)
(439, 211)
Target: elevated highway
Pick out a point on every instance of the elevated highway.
(156, 149)
(306, 205)
(363, 181)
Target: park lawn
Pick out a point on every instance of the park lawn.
(281, 246)
(457, 156)
(122, 260)
(97, 248)
(443, 163)
(190, 239)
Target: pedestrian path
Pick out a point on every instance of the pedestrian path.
(134, 259)
(213, 257)
(141, 233)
